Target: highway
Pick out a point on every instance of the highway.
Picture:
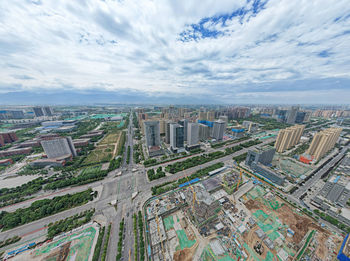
(111, 188)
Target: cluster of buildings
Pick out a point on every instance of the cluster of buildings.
(7, 137)
(288, 138)
(290, 115)
(26, 113)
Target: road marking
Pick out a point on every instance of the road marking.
(34, 231)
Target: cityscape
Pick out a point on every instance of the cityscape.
(159, 130)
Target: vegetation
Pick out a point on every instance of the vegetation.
(332, 220)
(135, 121)
(88, 175)
(83, 127)
(152, 175)
(105, 246)
(268, 123)
(120, 241)
(221, 144)
(300, 150)
(149, 162)
(138, 153)
(43, 208)
(128, 155)
(240, 158)
(194, 161)
(121, 143)
(141, 242)
(69, 223)
(9, 241)
(98, 246)
(162, 188)
(136, 243)
(99, 155)
(115, 164)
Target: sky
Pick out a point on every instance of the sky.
(198, 51)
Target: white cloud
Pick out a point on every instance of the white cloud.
(118, 45)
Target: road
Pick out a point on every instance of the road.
(112, 187)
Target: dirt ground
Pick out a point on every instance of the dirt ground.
(185, 254)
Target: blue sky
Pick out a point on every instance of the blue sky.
(261, 51)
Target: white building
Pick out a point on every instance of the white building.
(192, 134)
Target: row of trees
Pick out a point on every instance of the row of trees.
(332, 220)
(105, 246)
(128, 155)
(43, 208)
(152, 174)
(240, 158)
(167, 186)
(83, 178)
(194, 161)
(221, 144)
(138, 153)
(136, 242)
(121, 143)
(120, 241)
(141, 241)
(69, 223)
(115, 164)
(9, 241)
(98, 246)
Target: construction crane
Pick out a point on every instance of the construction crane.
(193, 194)
(237, 186)
(160, 237)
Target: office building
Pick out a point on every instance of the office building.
(224, 118)
(47, 111)
(167, 131)
(250, 126)
(17, 151)
(323, 142)
(38, 111)
(58, 148)
(204, 132)
(192, 134)
(288, 138)
(184, 124)
(7, 137)
(176, 137)
(300, 117)
(152, 133)
(257, 161)
(292, 114)
(263, 155)
(218, 130)
(210, 115)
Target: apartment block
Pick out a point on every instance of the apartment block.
(323, 142)
(288, 138)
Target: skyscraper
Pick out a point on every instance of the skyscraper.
(202, 116)
(210, 115)
(167, 131)
(323, 142)
(204, 132)
(289, 137)
(292, 114)
(60, 147)
(218, 130)
(192, 134)
(176, 136)
(184, 123)
(38, 111)
(47, 111)
(152, 133)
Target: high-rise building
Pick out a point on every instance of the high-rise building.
(152, 133)
(204, 132)
(7, 137)
(218, 130)
(300, 117)
(167, 131)
(184, 124)
(250, 126)
(263, 155)
(225, 119)
(57, 148)
(47, 111)
(323, 142)
(176, 136)
(192, 134)
(210, 115)
(292, 114)
(38, 111)
(202, 116)
(288, 138)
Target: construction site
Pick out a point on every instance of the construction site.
(77, 245)
(204, 221)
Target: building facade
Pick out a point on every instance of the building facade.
(152, 133)
(288, 138)
(57, 148)
(192, 134)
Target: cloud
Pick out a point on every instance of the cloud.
(231, 51)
